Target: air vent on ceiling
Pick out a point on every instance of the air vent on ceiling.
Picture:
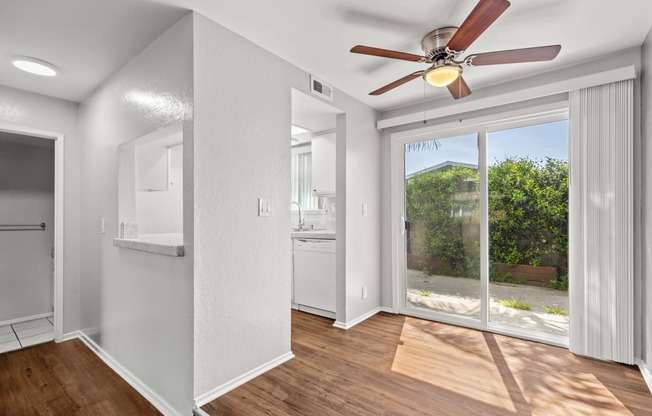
(320, 88)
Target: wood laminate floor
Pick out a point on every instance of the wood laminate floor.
(397, 365)
(64, 379)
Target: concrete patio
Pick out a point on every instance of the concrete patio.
(461, 296)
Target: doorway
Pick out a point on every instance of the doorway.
(482, 239)
(313, 201)
(42, 151)
(26, 241)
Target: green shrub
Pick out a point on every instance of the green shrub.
(430, 199)
(560, 283)
(528, 218)
(425, 293)
(528, 208)
(497, 275)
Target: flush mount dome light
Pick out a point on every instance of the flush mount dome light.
(442, 76)
(35, 66)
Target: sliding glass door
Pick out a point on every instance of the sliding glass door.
(528, 227)
(483, 235)
(443, 229)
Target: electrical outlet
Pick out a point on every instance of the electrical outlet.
(364, 292)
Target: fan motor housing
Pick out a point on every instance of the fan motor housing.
(434, 43)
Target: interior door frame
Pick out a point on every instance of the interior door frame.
(482, 125)
(58, 216)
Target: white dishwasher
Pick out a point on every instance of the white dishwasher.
(314, 276)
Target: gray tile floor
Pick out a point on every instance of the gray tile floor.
(24, 334)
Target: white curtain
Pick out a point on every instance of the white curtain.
(601, 218)
(302, 180)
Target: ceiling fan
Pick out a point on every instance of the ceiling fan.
(442, 48)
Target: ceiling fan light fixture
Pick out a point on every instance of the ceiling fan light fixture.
(442, 76)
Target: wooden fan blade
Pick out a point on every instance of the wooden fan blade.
(459, 88)
(480, 18)
(397, 83)
(515, 56)
(386, 53)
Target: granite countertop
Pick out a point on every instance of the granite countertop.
(319, 234)
(170, 244)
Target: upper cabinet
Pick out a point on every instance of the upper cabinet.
(323, 165)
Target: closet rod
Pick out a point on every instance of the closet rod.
(40, 226)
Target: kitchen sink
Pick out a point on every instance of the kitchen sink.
(298, 230)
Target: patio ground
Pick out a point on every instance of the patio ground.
(460, 296)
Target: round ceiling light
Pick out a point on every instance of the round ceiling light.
(442, 76)
(35, 66)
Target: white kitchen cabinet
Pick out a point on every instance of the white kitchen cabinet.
(151, 168)
(323, 165)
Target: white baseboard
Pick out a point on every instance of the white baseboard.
(354, 322)
(211, 395)
(387, 309)
(71, 335)
(198, 412)
(156, 400)
(27, 318)
(645, 372)
(316, 311)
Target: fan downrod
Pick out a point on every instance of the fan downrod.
(434, 43)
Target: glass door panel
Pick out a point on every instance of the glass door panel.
(528, 227)
(442, 244)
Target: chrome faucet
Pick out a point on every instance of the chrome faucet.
(301, 221)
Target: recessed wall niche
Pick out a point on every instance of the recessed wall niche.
(150, 197)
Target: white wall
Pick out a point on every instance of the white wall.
(138, 306)
(28, 110)
(362, 178)
(242, 152)
(26, 197)
(162, 211)
(646, 202)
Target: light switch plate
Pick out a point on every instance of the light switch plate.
(364, 210)
(103, 226)
(265, 207)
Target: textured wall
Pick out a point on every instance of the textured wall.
(242, 152)
(138, 306)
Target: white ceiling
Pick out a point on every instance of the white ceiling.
(312, 114)
(91, 39)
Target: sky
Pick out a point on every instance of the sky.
(536, 142)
